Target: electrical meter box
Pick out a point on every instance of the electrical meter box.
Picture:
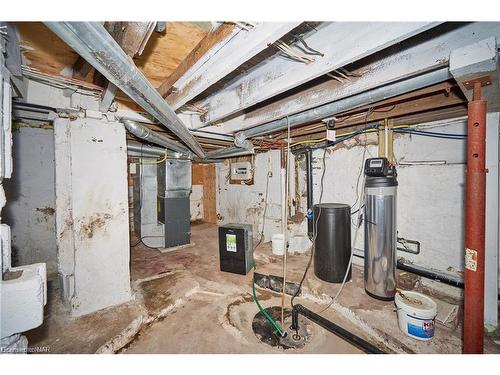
(236, 248)
(241, 171)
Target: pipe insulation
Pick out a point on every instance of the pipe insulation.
(141, 131)
(93, 43)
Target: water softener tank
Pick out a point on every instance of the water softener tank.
(380, 228)
(332, 250)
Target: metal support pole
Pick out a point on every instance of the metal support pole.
(475, 224)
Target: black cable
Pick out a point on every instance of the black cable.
(314, 233)
(141, 241)
(362, 163)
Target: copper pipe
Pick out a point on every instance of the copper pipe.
(475, 224)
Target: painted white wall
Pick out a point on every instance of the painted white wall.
(492, 258)
(196, 202)
(92, 213)
(430, 197)
(245, 203)
(31, 198)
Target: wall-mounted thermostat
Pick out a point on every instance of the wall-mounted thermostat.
(241, 171)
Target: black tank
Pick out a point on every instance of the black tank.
(333, 241)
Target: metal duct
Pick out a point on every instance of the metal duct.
(134, 154)
(146, 150)
(365, 98)
(229, 153)
(93, 43)
(147, 134)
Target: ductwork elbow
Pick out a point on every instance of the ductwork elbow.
(136, 129)
(140, 131)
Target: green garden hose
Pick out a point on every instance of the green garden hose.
(268, 317)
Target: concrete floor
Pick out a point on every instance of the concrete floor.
(184, 304)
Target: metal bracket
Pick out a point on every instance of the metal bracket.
(475, 63)
(485, 81)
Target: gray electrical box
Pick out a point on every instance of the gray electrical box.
(236, 248)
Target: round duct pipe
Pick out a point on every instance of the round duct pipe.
(145, 133)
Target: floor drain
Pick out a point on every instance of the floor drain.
(266, 333)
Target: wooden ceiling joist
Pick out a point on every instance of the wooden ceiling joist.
(214, 37)
(131, 36)
(278, 74)
(224, 57)
(430, 54)
(416, 106)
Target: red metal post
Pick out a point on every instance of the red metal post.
(474, 224)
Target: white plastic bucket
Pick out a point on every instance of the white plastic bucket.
(416, 314)
(299, 244)
(278, 243)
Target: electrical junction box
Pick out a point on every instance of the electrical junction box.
(241, 171)
(236, 248)
(133, 168)
(331, 135)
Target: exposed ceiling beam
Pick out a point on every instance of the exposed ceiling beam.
(91, 41)
(362, 99)
(225, 57)
(425, 103)
(217, 36)
(341, 43)
(430, 54)
(81, 68)
(131, 36)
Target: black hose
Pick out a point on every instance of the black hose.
(450, 280)
(429, 274)
(333, 328)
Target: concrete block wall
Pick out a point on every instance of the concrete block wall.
(30, 209)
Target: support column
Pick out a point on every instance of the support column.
(92, 222)
(475, 224)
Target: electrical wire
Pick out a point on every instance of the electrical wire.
(361, 168)
(374, 128)
(159, 161)
(349, 266)
(285, 224)
(315, 232)
(353, 134)
(307, 142)
(268, 317)
(265, 211)
(418, 132)
(342, 139)
(429, 133)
